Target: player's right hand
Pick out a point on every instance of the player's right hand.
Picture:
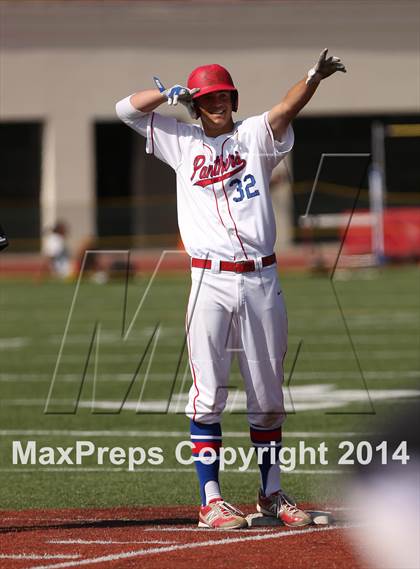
(178, 93)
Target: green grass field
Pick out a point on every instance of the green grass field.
(326, 397)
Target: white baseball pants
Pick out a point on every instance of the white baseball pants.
(244, 314)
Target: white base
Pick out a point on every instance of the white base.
(260, 520)
(321, 518)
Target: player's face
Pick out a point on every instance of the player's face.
(216, 112)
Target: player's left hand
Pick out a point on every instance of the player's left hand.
(325, 67)
(178, 93)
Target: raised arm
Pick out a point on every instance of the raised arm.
(300, 94)
(147, 101)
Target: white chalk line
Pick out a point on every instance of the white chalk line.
(298, 398)
(164, 434)
(172, 548)
(166, 377)
(87, 469)
(133, 358)
(171, 339)
(171, 335)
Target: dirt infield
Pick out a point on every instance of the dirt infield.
(162, 538)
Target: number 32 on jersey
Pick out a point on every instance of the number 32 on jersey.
(244, 188)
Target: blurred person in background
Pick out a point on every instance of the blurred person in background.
(56, 252)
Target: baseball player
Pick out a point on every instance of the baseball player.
(227, 225)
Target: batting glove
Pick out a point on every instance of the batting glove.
(325, 67)
(178, 93)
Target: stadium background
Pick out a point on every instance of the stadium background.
(65, 156)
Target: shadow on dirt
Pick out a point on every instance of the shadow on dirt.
(101, 524)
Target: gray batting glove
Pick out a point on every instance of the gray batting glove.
(325, 67)
(178, 93)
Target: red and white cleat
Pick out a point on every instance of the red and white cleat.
(221, 515)
(278, 505)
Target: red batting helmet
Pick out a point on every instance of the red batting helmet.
(211, 78)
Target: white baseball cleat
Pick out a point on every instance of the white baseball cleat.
(280, 506)
(221, 515)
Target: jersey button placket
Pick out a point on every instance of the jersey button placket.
(224, 213)
(237, 250)
(229, 230)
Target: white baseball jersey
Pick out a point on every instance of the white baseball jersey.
(223, 200)
(225, 213)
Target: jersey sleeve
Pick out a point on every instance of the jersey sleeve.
(161, 132)
(273, 150)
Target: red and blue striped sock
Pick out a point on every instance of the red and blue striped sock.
(207, 437)
(267, 444)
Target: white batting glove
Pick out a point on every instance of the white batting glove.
(178, 93)
(325, 67)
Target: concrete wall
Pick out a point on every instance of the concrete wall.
(66, 63)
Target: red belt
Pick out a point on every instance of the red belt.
(234, 266)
